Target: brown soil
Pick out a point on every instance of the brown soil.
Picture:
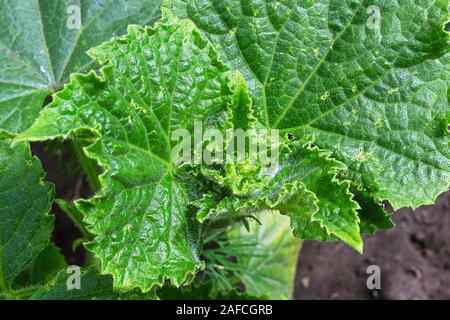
(59, 163)
(414, 259)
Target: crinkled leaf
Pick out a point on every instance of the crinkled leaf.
(154, 81)
(376, 94)
(25, 200)
(217, 212)
(336, 213)
(41, 44)
(305, 187)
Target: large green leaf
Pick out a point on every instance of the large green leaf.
(374, 94)
(25, 200)
(153, 82)
(41, 45)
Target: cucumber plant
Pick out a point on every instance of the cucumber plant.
(353, 96)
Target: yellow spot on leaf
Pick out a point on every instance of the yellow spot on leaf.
(393, 90)
(325, 96)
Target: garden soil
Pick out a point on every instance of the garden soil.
(414, 260)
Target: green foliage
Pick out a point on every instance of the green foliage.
(362, 107)
(25, 226)
(93, 286)
(262, 257)
(43, 268)
(376, 98)
(144, 230)
(42, 44)
(203, 291)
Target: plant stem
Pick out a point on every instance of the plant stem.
(74, 215)
(89, 166)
